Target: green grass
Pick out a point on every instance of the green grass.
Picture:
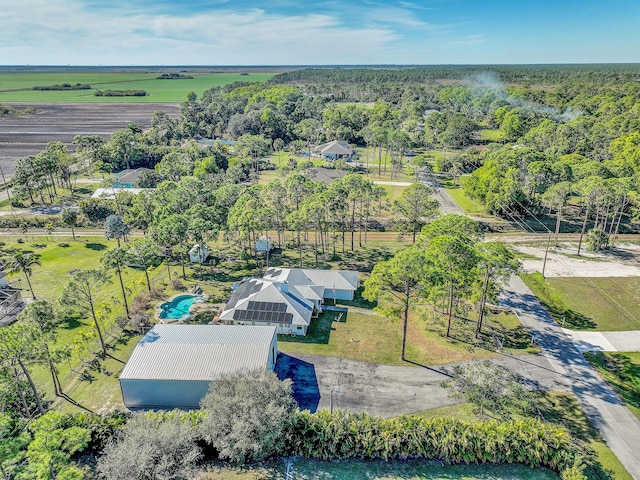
(308, 469)
(493, 135)
(157, 90)
(375, 338)
(468, 205)
(601, 304)
(622, 372)
(413, 470)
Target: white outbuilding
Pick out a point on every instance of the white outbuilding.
(173, 366)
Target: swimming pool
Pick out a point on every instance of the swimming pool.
(178, 308)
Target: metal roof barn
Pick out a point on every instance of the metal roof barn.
(173, 366)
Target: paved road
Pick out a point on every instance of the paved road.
(617, 425)
(447, 204)
(385, 390)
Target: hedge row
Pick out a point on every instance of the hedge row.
(342, 435)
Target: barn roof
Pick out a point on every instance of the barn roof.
(198, 352)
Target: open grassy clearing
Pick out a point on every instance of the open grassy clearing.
(602, 304)
(493, 135)
(157, 90)
(622, 372)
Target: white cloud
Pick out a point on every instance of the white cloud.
(65, 32)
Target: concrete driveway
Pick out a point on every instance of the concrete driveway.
(388, 391)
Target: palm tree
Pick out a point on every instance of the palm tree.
(22, 262)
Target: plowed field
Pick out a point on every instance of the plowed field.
(29, 134)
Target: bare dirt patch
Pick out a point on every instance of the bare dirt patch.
(622, 261)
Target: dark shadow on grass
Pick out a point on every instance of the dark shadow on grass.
(116, 359)
(426, 367)
(98, 247)
(74, 403)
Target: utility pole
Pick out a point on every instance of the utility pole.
(4, 181)
(546, 252)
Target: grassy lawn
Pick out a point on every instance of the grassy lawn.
(602, 304)
(374, 338)
(157, 90)
(622, 372)
(307, 469)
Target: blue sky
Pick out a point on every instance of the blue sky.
(276, 32)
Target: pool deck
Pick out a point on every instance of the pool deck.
(158, 309)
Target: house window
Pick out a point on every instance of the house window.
(298, 327)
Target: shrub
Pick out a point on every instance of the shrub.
(157, 292)
(343, 434)
(176, 284)
(151, 447)
(248, 415)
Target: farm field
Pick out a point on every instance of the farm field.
(15, 86)
(29, 134)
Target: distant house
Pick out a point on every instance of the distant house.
(199, 254)
(128, 178)
(260, 302)
(332, 284)
(334, 150)
(173, 366)
(110, 193)
(264, 244)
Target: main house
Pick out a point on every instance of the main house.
(288, 299)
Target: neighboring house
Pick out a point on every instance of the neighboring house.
(335, 284)
(110, 193)
(264, 244)
(261, 302)
(333, 150)
(199, 254)
(173, 366)
(128, 178)
(10, 300)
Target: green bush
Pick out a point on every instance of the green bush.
(342, 435)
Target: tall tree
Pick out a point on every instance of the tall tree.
(70, 217)
(556, 197)
(81, 293)
(116, 259)
(20, 345)
(19, 261)
(401, 282)
(414, 207)
(496, 263)
(41, 314)
(114, 227)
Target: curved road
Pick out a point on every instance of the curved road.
(617, 425)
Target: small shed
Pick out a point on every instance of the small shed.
(173, 366)
(199, 254)
(264, 244)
